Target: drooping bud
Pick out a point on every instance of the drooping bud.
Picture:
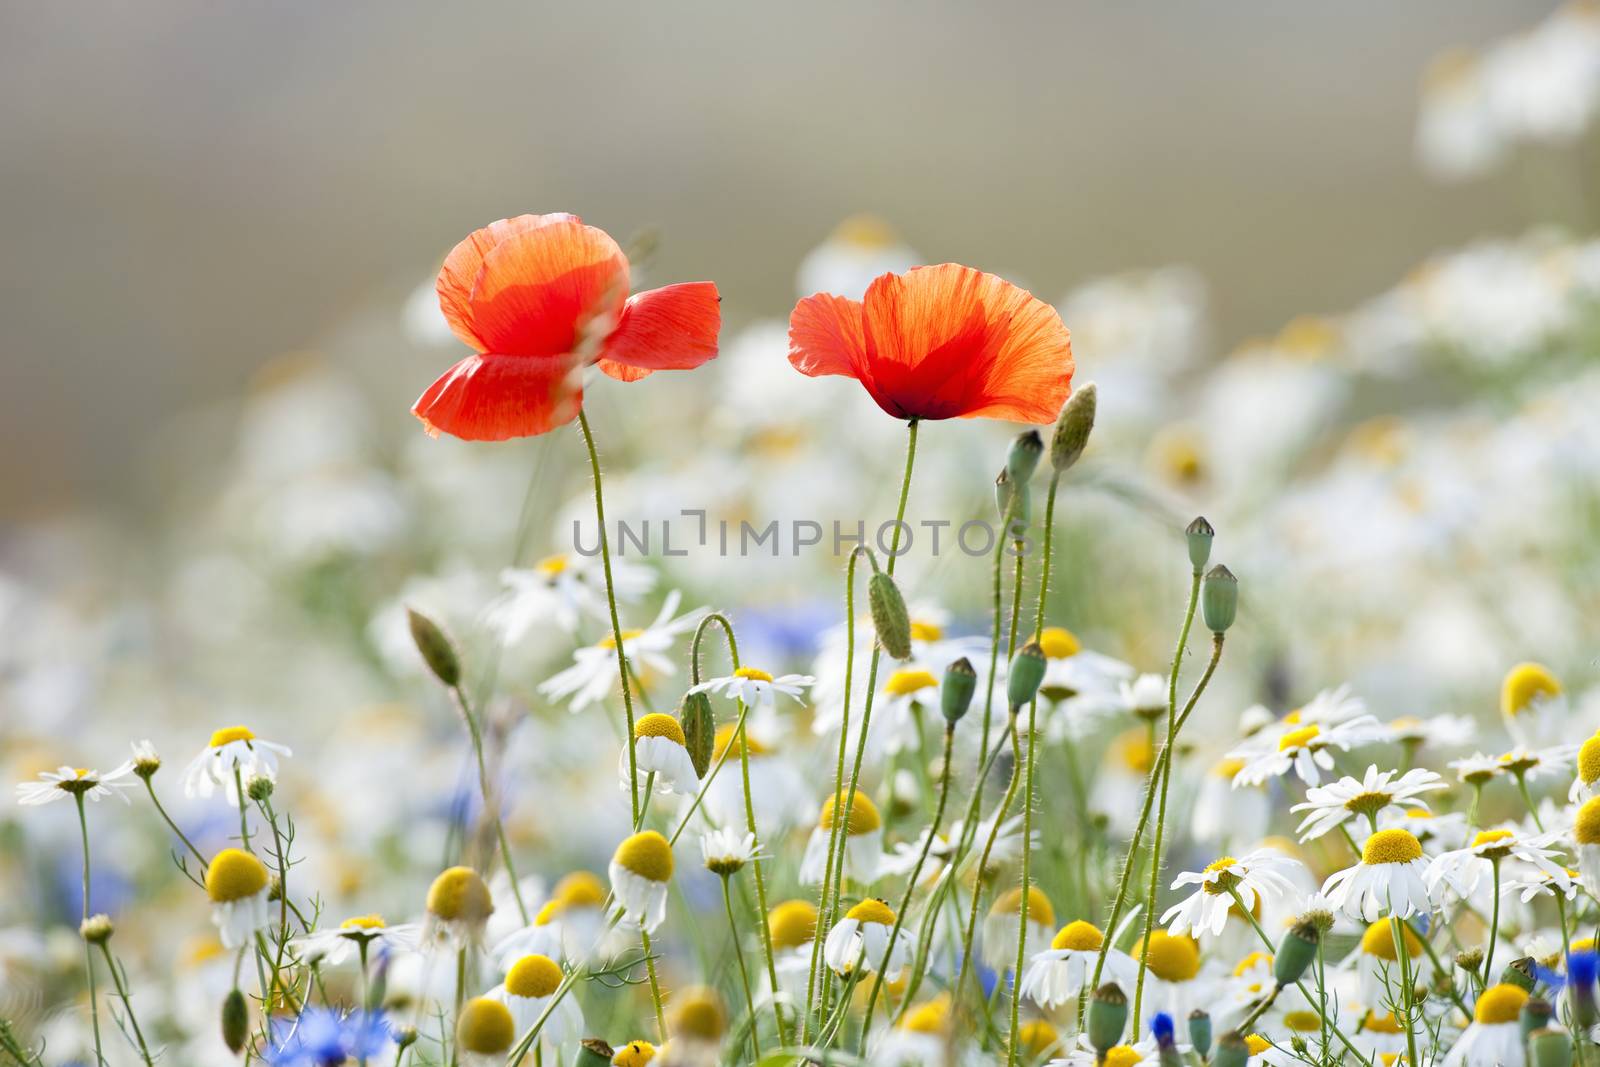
(1219, 599)
(1519, 972)
(405, 1037)
(146, 760)
(1232, 1051)
(889, 616)
(1200, 534)
(1073, 427)
(1023, 459)
(1550, 1048)
(1470, 959)
(1535, 1015)
(235, 1021)
(96, 929)
(593, 1052)
(259, 788)
(955, 693)
(1200, 1032)
(1025, 674)
(699, 726)
(436, 648)
(1296, 952)
(1108, 1017)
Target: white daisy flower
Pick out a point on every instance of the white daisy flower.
(593, 675)
(792, 926)
(1001, 926)
(237, 884)
(1141, 1053)
(528, 992)
(1494, 1037)
(1586, 834)
(1389, 879)
(568, 926)
(485, 1032)
(67, 782)
(1440, 731)
(1461, 871)
(1224, 812)
(1587, 781)
(565, 589)
(1530, 764)
(1374, 959)
(1371, 796)
(334, 946)
(459, 905)
(727, 850)
(1174, 981)
(1084, 685)
(1262, 872)
(756, 688)
(232, 757)
(1056, 975)
(922, 1037)
(778, 793)
(660, 751)
(1476, 769)
(1536, 883)
(1533, 705)
(1438, 831)
(860, 939)
(863, 842)
(1304, 749)
(640, 871)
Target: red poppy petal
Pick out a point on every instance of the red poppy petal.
(546, 290)
(494, 397)
(826, 336)
(622, 372)
(671, 328)
(460, 271)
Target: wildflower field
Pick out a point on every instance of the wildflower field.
(925, 674)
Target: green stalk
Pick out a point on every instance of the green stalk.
(88, 949)
(491, 806)
(744, 973)
(127, 1004)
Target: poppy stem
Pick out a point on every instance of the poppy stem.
(744, 972)
(491, 802)
(611, 603)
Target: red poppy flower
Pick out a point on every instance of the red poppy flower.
(539, 297)
(945, 342)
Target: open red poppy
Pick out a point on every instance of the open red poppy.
(540, 297)
(944, 342)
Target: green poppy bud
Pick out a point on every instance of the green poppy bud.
(1232, 1050)
(1550, 1048)
(235, 1021)
(1519, 972)
(1025, 675)
(1535, 1015)
(889, 616)
(1023, 459)
(437, 650)
(1108, 1017)
(594, 1052)
(1200, 1032)
(955, 693)
(1073, 427)
(1014, 502)
(1219, 599)
(699, 730)
(1296, 952)
(1200, 534)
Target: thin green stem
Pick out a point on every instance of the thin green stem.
(88, 949)
(744, 973)
(127, 1004)
(655, 983)
(244, 825)
(970, 933)
(491, 804)
(1494, 921)
(198, 855)
(1408, 991)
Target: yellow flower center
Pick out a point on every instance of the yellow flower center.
(646, 854)
(1058, 643)
(792, 923)
(580, 889)
(548, 913)
(904, 683)
(698, 1015)
(1583, 944)
(925, 631)
(755, 673)
(1304, 1022)
(1251, 962)
(1122, 1056)
(1586, 826)
(634, 1054)
(1500, 1004)
(485, 1027)
(1492, 837)
(551, 566)
(724, 738)
(930, 1017)
(1135, 752)
(533, 976)
(1172, 959)
(1039, 908)
(1257, 1044)
(1079, 936)
(233, 875)
(1300, 738)
(459, 895)
(1227, 768)
(1378, 941)
(866, 232)
(1526, 685)
(658, 725)
(1589, 760)
(231, 733)
(1380, 1024)
(864, 816)
(1036, 1036)
(1225, 879)
(363, 922)
(871, 910)
(610, 641)
(1391, 846)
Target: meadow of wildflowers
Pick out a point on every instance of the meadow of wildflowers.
(939, 677)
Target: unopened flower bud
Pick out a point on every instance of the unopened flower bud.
(235, 1021)
(1014, 502)
(1219, 599)
(1519, 972)
(889, 616)
(1470, 959)
(1296, 952)
(1550, 1048)
(1025, 674)
(956, 691)
(1073, 427)
(1232, 1050)
(699, 726)
(437, 650)
(1023, 459)
(593, 1052)
(97, 929)
(146, 761)
(1200, 1032)
(405, 1036)
(1200, 534)
(1108, 1017)
(259, 788)
(1535, 1015)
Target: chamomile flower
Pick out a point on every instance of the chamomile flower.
(1439, 731)
(634, 1054)
(485, 1030)
(1141, 1053)
(593, 674)
(528, 992)
(82, 782)
(862, 841)
(756, 688)
(565, 589)
(640, 871)
(1001, 926)
(1461, 870)
(792, 926)
(1584, 784)
(1306, 749)
(777, 792)
(1586, 834)
(568, 926)
(1145, 696)
(1371, 796)
(1494, 1037)
(1374, 959)
(1086, 685)
(334, 946)
(660, 750)
(1056, 975)
(1536, 883)
(233, 756)
(1438, 831)
(458, 906)
(1265, 871)
(859, 940)
(1389, 879)
(1119, 782)
(922, 1037)
(238, 885)
(1533, 704)
(1224, 812)
(726, 850)
(1174, 983)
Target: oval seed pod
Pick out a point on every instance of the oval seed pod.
(889, 616)
(699, 730)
